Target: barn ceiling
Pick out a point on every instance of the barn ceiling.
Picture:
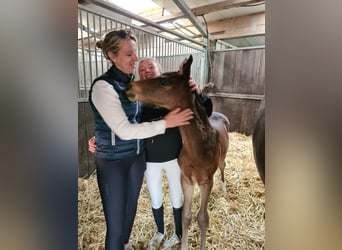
(239, 23)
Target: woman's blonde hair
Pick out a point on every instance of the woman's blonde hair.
(112, 41)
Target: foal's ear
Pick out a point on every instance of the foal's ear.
(185, 67)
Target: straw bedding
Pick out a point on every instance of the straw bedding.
(237, 217)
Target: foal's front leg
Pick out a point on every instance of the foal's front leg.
(203, 216)
(188, 192)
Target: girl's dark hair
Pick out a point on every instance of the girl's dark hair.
(112, 41)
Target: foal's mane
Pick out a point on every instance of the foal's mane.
(200, 108)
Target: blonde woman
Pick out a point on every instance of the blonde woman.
(119, 157)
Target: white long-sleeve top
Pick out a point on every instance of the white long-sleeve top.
(107, 102)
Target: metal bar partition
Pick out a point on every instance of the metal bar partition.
(169, 50)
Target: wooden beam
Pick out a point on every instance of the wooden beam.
(223, 5)
(236, 96)
(243, 26)
(205, 9)
(190, 15)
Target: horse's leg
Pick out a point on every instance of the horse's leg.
(188, 191)
(202, 216)
(222, 166)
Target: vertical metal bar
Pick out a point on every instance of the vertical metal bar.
(79, 54)
(106, 31)
(152, 47)
(148, 45)
(158, 47)
(169, 45)
(172, 51)
(116, 26)
(178, 53)
(143, 45)
(144, 39)
(95, 50)
(164, 44)
(83, 57)
(161, 47)
(89, 52)
(140, 44)
(100, 30)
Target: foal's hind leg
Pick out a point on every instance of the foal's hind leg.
(203, 216)
(188, 192)
(222, 166)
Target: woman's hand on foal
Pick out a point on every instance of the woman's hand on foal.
(92, 144)
(177, 118)
(193, 86)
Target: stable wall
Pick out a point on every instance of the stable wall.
(239, 79)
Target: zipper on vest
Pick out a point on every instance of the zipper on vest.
(113, 138)
(135, 121)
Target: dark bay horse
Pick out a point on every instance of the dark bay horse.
(205, 140)
(258, 139)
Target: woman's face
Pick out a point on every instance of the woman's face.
(126, 59)
(148, 69)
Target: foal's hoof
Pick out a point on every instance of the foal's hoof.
(223, 186)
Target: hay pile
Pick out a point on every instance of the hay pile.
(237, 217)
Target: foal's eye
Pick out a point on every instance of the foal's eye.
(163, 82)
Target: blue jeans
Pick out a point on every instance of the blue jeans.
(119, 183)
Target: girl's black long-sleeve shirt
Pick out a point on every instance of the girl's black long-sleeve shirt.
(166, 147)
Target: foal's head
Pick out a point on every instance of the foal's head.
(169, 90)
